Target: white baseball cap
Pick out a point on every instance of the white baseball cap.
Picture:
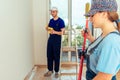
(54, 9)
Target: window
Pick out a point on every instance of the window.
(78, 11)
(62, 6)
(72, 11)
(118, 2)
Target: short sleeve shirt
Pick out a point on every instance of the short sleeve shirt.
(57, 25)
(106, 57)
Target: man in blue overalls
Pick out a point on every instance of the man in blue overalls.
(57, 27)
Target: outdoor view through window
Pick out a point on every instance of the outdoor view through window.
(72, 12)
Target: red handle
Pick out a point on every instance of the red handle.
(83, 50)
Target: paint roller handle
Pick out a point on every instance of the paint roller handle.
(84, 43)
(89, 35)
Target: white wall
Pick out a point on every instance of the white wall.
(16, 54)
(40, 17)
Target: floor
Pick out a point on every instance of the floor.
(38, 72)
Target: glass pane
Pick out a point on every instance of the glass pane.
(118, 2)
(78, 11)
(78, 19)
(62, 6)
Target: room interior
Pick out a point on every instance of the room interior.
(23, 39)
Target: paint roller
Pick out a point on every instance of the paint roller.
(87, 7)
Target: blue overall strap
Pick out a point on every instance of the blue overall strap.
(95, 44)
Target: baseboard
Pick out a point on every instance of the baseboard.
(41, 66)
(30, 75)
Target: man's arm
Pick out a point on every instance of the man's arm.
(103, 76)
(58, 32)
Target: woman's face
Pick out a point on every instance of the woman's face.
(98, 19)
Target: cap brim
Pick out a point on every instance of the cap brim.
(90, 13)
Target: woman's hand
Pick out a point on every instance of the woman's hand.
(88, 35)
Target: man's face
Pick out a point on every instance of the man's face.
(54, 13)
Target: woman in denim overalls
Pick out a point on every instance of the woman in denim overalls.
(103, 54)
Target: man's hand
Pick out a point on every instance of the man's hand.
(52, 32)
(46, 28)
(57, 32)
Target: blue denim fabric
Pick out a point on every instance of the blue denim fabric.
(90, 74)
